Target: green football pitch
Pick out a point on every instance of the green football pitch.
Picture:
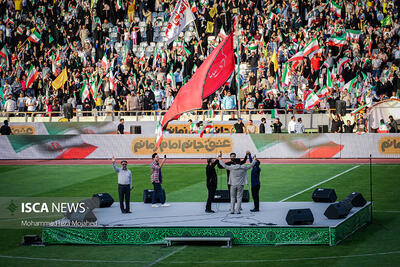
(375, 244)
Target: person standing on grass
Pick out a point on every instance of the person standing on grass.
(156, 180)
(211, 182)
(255, 184)
(124, 185)
(237, 180)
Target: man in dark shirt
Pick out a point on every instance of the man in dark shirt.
(348, 128)
(336, 124)
(5, 129)
(255, 184)
(276, 126)
(211, 182)
(121, 127)
(262, 126)
(238, 127)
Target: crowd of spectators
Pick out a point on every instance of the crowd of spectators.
(117, 47)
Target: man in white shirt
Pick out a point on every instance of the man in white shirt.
(124, 185)
(299, 126)
(292, 125)
(10, 105)
(31, 103)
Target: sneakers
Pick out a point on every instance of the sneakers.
(155, 206)
(255, 210)
(165, 205)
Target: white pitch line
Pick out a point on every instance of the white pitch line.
(205, 262)
(166, 256)
(327, 180)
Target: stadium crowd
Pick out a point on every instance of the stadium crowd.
(293, 54)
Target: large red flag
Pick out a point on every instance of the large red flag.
(211, 75)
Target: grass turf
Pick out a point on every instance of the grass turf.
(377, 243)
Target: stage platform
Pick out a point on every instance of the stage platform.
(147, 225)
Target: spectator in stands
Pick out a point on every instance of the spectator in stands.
(10, 105)
(382, 127)
(299, 127)
(251, 128)
(348, 127)
(393, 128)
(228, 102)
(276, 126)
(292, 125)
(5, 129)
(239, 127)
(262, 126)
(337, 123)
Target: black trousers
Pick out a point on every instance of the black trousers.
(158, 193)
(255, 190)
(124, 192)
(211, 194)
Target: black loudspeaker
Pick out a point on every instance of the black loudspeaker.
(299, 217)
(340, 107)
(357, 200)
(324, 195)
(336, 211)
(68, 111)
(85, 216)
(322, 128)
(31, 240)
(347, 203)
(223, 196)
(105, 199)
(136, 129)
(148, 196)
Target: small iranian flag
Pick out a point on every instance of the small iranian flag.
(349, 86)
(104, 62)
(156, 56)
(321, 93)
(159, 134)
(20, 29)
(119, 5)
(285, 79)
(252, 46)
(4, 53)
(358, 109)
(298, 56)
(353, 35)
(245, 87)
(387, 74)
(278, 85)
(365, 62)
(335, 8)
(274, 113)
(337, 41)
(85, 91)
(311, 47)
(35, 37)
(125, 54)
(329, 83)
(150, 76)
(271, 16)
(171, 79)
(211, 113)
(203, 129)
(142, 61)
(194, 7)
(32, 75)
(341, 64)
(311, 101)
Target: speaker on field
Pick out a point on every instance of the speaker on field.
(325, 195)
(223, 196)
(136, 129)
(299, 217)
(148, 196)
(357, 200)
(336, 211)
(105, 199)
(347, 203)
(340, 107)
(322, 128)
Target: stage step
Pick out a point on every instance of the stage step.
(228, 240)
